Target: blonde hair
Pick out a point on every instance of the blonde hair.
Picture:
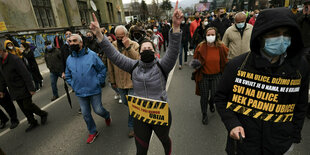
(218, 42)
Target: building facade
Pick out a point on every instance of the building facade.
(40, 20)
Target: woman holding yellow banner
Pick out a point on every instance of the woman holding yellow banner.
(149, 80)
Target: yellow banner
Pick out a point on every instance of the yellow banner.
(287, 3)
(3, 27)
(148, 110)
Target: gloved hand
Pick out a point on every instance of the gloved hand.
(195, 63)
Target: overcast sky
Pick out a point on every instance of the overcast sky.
(147, 1)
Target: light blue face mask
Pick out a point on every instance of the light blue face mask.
(277, 45)
(49, 47)
(240, 25)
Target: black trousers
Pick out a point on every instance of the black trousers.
(143, 132)
(7, 103)
(29, 108)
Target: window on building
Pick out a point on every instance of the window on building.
(83, 12)
(44, 13)
(111, 13)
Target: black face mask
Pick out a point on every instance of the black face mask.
(222, 15)
(89, 38)
(147, 56)
(197, 18)
(75, 47)
(120, 43)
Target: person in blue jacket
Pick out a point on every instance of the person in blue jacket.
(86, 74)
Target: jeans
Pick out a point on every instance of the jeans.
(54, 77)
(95, 101)
(185, 47)
(123, 93)
(115, 89)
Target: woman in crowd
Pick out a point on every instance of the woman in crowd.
(32, 65)
(209, 61)
(148, 77)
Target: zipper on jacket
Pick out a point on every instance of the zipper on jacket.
(145, 84)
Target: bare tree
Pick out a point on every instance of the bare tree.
(154, 10)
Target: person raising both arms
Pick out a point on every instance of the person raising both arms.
(148, 77)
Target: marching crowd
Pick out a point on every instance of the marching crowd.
(270, 43)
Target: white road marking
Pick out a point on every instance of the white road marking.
(45, 107)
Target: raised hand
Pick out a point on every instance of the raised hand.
(95, 28)
(177, 18)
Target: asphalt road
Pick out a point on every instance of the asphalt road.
(65, 132)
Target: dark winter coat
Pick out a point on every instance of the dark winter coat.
(304, 23)
(65, 53)
(267, 137)
(186, 35)
(93, 45)
(199, 35)
(15, 76)
(54, 60)
(221, 26)
(32, 65)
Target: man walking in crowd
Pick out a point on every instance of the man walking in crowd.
(65, 51)
(221, 23)
(186, 35)
(7, 104)
(253, 19)
(237, 37)
(53, 60)
(15, 76)
(193, 26)
(303, 21)
(118, 78)
(10, 47)
(86, 73)
(165, 31)
(269, 126)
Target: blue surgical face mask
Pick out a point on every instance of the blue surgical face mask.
(240, 25)
(277, 45)
(49, 47)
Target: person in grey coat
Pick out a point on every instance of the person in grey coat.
(148, 77)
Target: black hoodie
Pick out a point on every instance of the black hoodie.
(267, 137)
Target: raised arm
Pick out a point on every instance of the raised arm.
(168, 61)
(116, 57)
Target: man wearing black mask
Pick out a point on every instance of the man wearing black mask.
(221, 23)
(118, 78)
(137, 34)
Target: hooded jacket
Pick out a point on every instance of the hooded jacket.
(14, 51)
(85, 73)
(267, 137)
(147, 78)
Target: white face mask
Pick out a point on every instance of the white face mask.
(154, 30)
(11, 47)
(205, 23)
(183, 22)
(256, 15)
(210, 39)
(190, 22)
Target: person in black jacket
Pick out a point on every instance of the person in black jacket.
(65, 51)
(263, 94)
(199, 34)
(185, 39)
(15, 76)
(221, 23)
(53, 60)
(303, 20)
(32, 65)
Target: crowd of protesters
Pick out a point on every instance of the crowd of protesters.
(220, 45)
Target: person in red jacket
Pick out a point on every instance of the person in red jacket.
(253, 19)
